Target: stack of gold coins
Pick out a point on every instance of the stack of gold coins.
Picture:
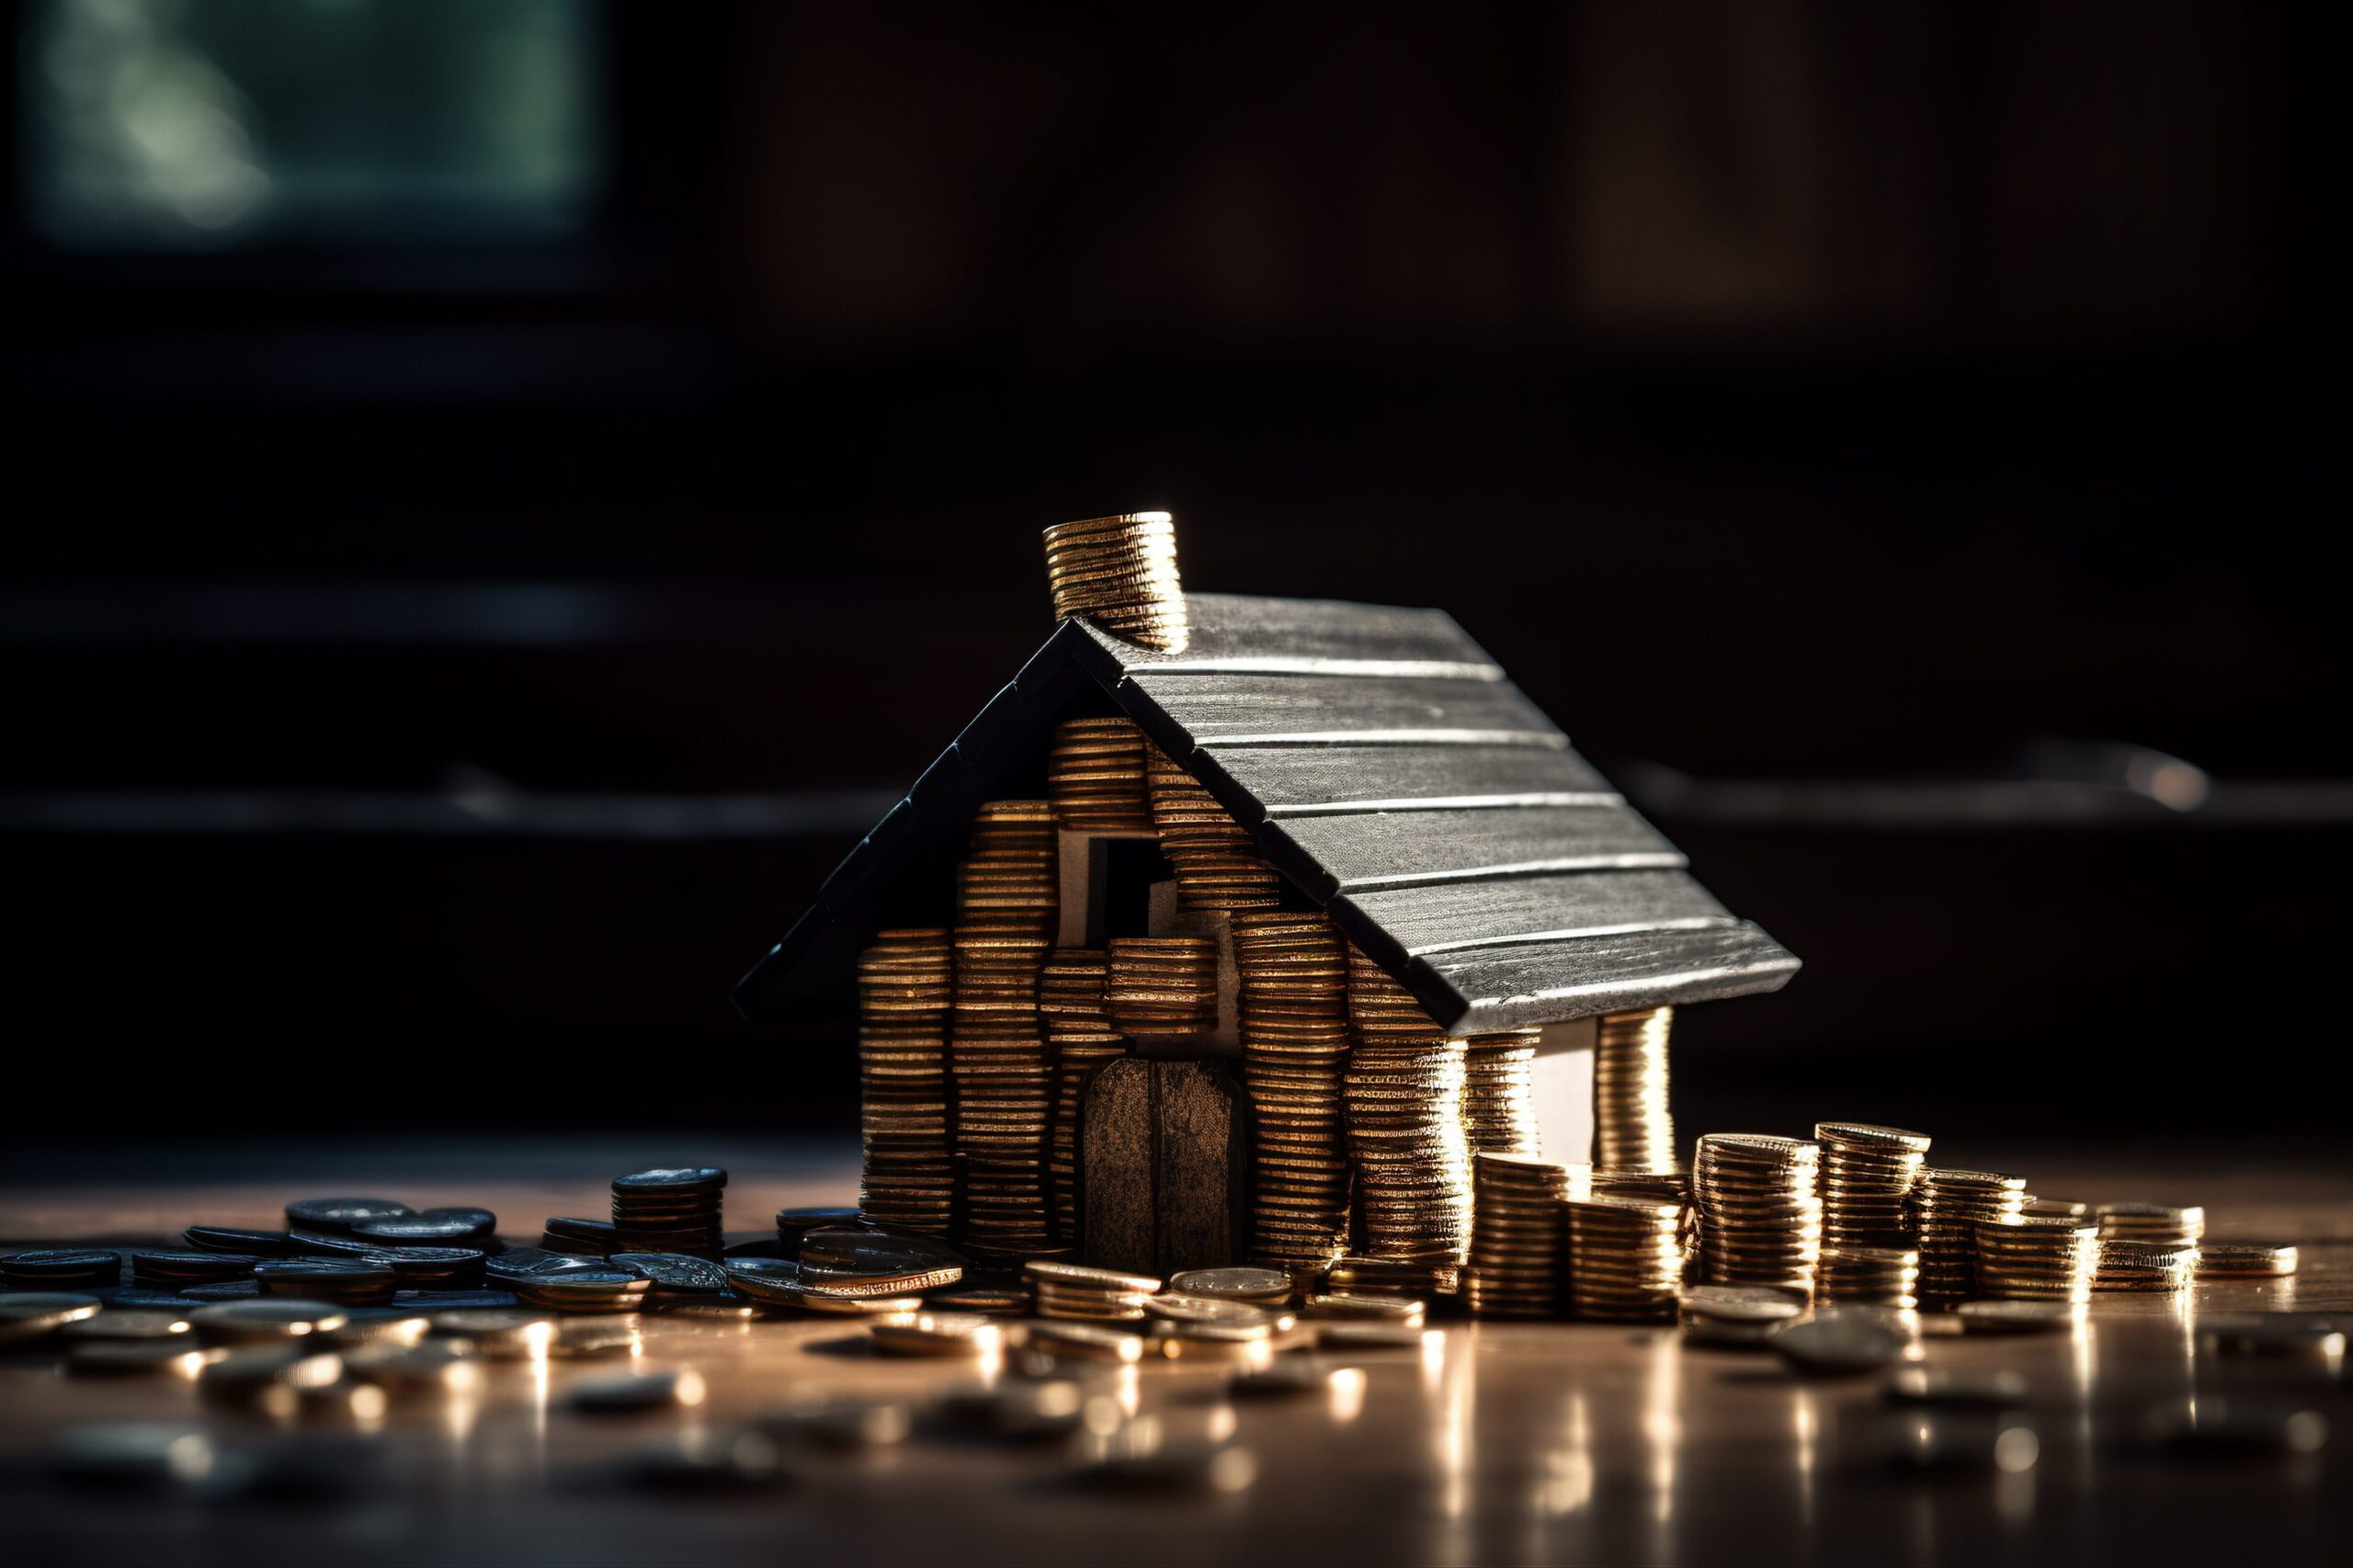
(1403, 1088)
(1120, 573)
(905, 984)
(1003, 1089)
(1010, 881)
(1625, 1259)
(1096, 1295)
(1413, 1163)
(2145, 1266)
(1867, 1173)
(1499, 1093)
(1518, 1244)
(1404, 1278)
(1656, 1186)
(1164, 987)
(2037, 1258)
(1950, 1205)
(1868, 1277)
(2156, 1225)
(1094, 777)
(1295, 1029)
(1760, 1209)
(1632, 1129)
(1217, 863)
(1080, 1038)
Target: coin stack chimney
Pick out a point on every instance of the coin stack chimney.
(1120, 573)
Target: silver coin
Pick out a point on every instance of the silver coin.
(262, 1320)
(633, 1392)
(1839, 1346)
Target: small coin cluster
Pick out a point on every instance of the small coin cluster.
(2137, 1266)
(2147, 1246)
(1089, 1295)
(1519, 1240)
(1081, 1040)
(1760, 1210)
(1120, 573)
(1294, 1030)
(2035, 1257)
(1217, 863)
(906, 982)
(1499, 1093)
(1633, 1130)
(1094, 777)
(672, 1210)
(1950, 1205)
(1868, 1174)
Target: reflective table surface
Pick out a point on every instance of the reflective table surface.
(2136, 1437)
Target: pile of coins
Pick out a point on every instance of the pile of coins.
(61, 1269)
(1162, 987)
(1009, 880)
(906, 982)
(1868, 1276)
(1499, 1093)
(1950, 1205)
(1760, 1210)
(1295, 1029)
(347, 1282)
(1094, 777)
(1734, 1315)
(2035, 1259)
(1868, 1174)
(1632, 1129)
(1081, 1040)
(1120, 573)
(670, 1210)
(1092, 1295)
(1518, 1245)
(1217, 864)
(1625, 1259)
(996, 1053)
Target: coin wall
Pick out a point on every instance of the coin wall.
(1003, 1089)
(1217, 862)
(1405, 1096)
(1081, 1040)
(1094, 777)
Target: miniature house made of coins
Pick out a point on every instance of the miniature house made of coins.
(1231, 930)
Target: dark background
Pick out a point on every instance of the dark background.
(444, 645)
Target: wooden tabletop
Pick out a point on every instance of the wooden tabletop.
(1498, 1443)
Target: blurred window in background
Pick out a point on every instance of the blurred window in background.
(223, 125)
